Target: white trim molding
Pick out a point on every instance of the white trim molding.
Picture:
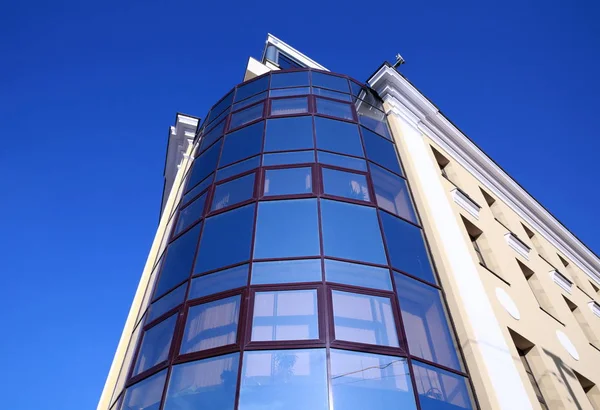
(595, 307)
(561, 280)
(465, 202)
(518, 245)
(415, 107)
(292, 52)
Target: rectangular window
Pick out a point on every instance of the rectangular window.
(444, 165)
(345, 184)
(495, 207)
(233, 192)
(289, 106)
(477, 250)
(334, 109)
(482, 249)
(583, 323)
(591, 390)
(538, 291)
(532, 380)
(288, 181)
(155, 345)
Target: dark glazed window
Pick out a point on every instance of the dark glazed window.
(441, 390)
(246, 115)
(233, 192)
(364, 319)
(155, 345)
(289, 106)
(392, 194)
(288, 92)
(370, 381)
(204, 384)
(285, 315)
(381, 151)
(285, 158)
(238, 168)
(373, 119)
(293, 79)
(205, 183)
(406, 247)
(288, 181)
(357, 275)
(284, 379)
(178, 262)
(220, 107)
(331, 94)
(145, 395)
(334, 109)
(242, 144)
(170, 301)
(226, 239)
(345, 184)
(342, 161)
(190, 214)
(249, 101)
(424, 317)
(251, 88)
(285, 134)
(330, 81)
(338, 136)
(220, 281)
(204, 165)
(286, 229)
(289, 271)
(212, 135)
(210, 325)
(351, 232)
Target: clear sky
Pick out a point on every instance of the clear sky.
(88, 91)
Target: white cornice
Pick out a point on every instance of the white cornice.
(465, 202)
(406, 101)
(561, 280)
(514, 242)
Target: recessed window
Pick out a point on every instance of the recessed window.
(351, 232)
(364, 319)
(427, 331)
(242, 144)
(226, 239)
(204, 164)
(210, 325)
(341, 161)
(338, 136)
(334, 109)
(246, 115)
(288, 158)
(357, 275)
(285, 134)
(170, 301)
(145, 394)
(293, 79)
(289, 106)
(233, 192)
(238, 168)
(204, 384)
(284, 379)
(345, 184)
(392, 194)
(155, 345)
(288, 271)
(220, 281)
(287, 229)
(288, 181)
(251, 88)
(381, 151)
(190, 214)
(440, 389)
(285, 315)
(330, 81)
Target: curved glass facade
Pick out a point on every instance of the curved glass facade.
(297, 275)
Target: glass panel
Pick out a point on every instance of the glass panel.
(330, 81)
(249, 101)
(304, 270)
(356, 88)
(331, 94)
(372, 118)
(289, 106)
(392, 194)
(287, 92)
(357, 275)
(288, 181)
(370, 381)
(285, 158)
(246, 115)
(242, 144)
(441, 390)
(251, 88)
(364, 319)
(287, 229)
(221, 281)
(233, 192)
(220, 106)
(341, 161)
(204, 164)
(145, 395)
(212, 136)
(406, 247)
(221, 117)
(284, 379)
(126, 365)
(198, 188)
(427, 331)
(297, 79)
(345, 184)
(204, 384)
(338, 136)
(211, 325)
(155, 345)
(334, 109)
(381, 151)
(238, 168)
(177, 263)
(285, 315)
(369, 97)
(285, 134)
(226, 239)
(169, 301)
(351, 232)
(190, 214)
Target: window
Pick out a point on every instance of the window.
(342, 161)
(345, 184)
(364, 319)
(392, 193)
(145, 395)
(155, 345)
(285, 63)
(357, 275)
(483, 251)
(406, 247)
(495, 207)
(233, 192)
(444, 165)
(190, 214)
(440, 389)
(288, 181)
(226, 239)
(372, 118)
(285, 315)
(330, 81)
(213, 135)
(220, 107)
(351, 232)
(287, 229)
(246, 115)
(242, 144)
(536, 243)
(526, 351)
(381, 151)
(288, 158)
(573, 273)
(170, 301)
(591, 390)
(252, 87)
(289, 92)
(205, 183)
(211, 325)
(370, 381)
(334, 109)
(338, 136)
(289, 271)
(427, 331)
(204, 165)
(204, 384)
(249, 101)
(126, 365)
(286, 134)
(289, 79)
(238, 168)
(583, 323)
(538, 291)
(331, 94)
(284, 379)
(477, 250)
(289, 106)
(220, 281)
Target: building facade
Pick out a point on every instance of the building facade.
(326, 244)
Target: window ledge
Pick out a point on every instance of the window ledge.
(551, 315)
(595, 307)
(465, 202)
(517, 244)
(561, 280)
(494, 273)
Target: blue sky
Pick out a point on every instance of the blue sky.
(88, 91)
